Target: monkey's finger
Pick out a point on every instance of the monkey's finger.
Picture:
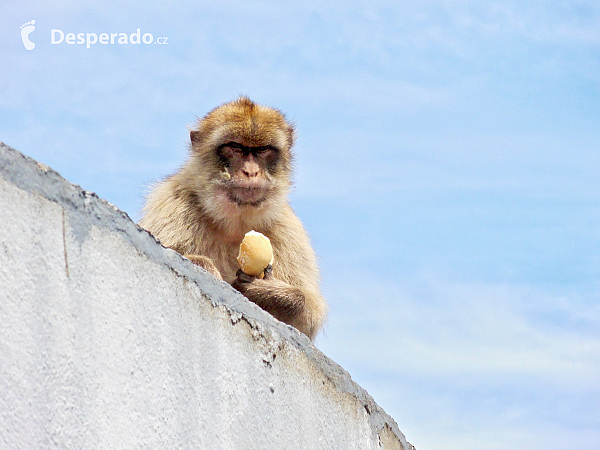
(268, 272)
(244, 277)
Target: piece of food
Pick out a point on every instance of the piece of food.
(255, 254)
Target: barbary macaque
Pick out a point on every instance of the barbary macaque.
(236, 180)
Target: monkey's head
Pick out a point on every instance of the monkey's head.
(242, 154)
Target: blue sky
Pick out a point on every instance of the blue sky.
(447, 170)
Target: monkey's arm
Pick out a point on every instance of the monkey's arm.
(285, 302)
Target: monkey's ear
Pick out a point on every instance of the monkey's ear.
(195, 136)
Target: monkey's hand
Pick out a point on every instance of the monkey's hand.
(281, 300)
(206, 263)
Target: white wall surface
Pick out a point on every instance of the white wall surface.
(109, 340)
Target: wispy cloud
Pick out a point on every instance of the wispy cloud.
(457, 347)
(477, 329)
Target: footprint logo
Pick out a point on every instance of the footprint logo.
(26, 30)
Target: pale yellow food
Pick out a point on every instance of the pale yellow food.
(255, 254)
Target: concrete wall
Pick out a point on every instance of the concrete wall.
(109, 340)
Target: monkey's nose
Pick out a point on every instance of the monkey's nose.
(250, 171)
(249, 174)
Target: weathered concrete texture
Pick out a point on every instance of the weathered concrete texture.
(109, 340)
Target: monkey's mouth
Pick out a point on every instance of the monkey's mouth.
(246, 195)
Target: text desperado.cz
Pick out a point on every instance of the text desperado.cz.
(58, 36)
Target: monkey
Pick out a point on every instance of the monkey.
(236, 179)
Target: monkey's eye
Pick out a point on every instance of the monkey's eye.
(264, 150)
(235, 146)
(230, 148)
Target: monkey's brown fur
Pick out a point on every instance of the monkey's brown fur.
(236, 180)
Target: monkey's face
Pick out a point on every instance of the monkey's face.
(243, 151)
(248, 173)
